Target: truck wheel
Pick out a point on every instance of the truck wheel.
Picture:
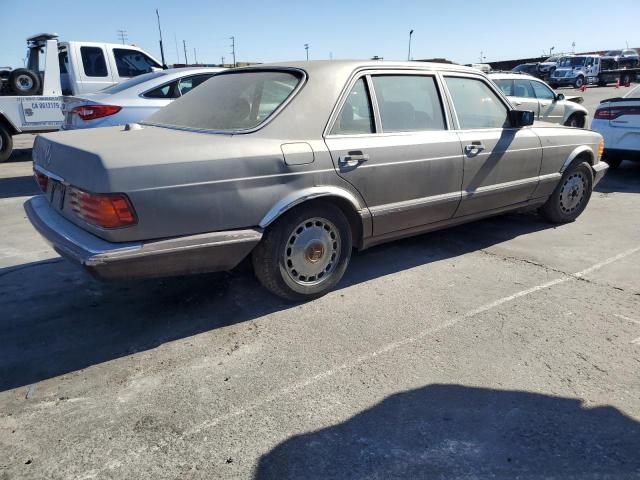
(571, 195)
(554, 85)
(24, 82)
(575, 120)
(578, 82)
(304, 253)
(6, 144)
(625, 79)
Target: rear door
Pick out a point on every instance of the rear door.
(501, 163)
(93, 68)
(390, 138)
(550, 109)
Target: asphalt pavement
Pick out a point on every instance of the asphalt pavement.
(506, 348)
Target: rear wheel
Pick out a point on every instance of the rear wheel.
(571, 195)
(625, 79)
(6, 144)
(305, 253)
(24, 82)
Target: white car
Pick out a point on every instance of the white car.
(526, 92)
(133, 100)
(618, 121)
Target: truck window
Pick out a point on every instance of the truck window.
(131, 63)
(93, 61)
(63, 59)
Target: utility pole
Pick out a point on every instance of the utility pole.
(573, 47)
(409, 54)
(175, 39)
(330, 55)
(306, 47)
(164, 64)
(233, 49)
(482, 57)
(184, 45)
(222, 64)
(195, 57)
(122, 35)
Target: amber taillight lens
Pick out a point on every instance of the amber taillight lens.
(42, 180)
(103, 210)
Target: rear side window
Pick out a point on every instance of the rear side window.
(408, 103)
(131, 63)
(188, 83)
(170, 90)
(522, 88)
(93, 61)
(356, 116)
(506, 86)
(476, 105)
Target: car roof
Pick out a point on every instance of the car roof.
(507, 76)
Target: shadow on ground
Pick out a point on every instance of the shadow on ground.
(457, 432)
(625, 178)
(18, 187)
(56, 319)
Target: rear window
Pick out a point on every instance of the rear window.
(230, 101)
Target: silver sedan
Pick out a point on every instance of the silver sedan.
(133, 100)
(296, 164)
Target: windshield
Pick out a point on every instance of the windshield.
(551, 60)
(567, 62)
(613, 53)
(132, 82)
(231, 101)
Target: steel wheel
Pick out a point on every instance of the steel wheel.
(572, 192)
(312, 251)
(24, 82)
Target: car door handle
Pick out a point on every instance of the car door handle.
(353, 159)
(474, 148)
(517, 103)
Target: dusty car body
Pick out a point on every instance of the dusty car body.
(299, 163)
(527, 92)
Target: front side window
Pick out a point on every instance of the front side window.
(230, 101)
(522, 88)
(542, 91)
(476, 105)
(93, 61)
(506, 86)
(356, 116)
(408, 103)
(131, 63)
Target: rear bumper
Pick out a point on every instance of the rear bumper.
(599, 169)
(207, 252)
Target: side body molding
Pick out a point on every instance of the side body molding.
(300, 196)
(575, 153)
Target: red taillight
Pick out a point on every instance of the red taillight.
(611, 113)
(91, 112)
(42, 180)
(103, 210)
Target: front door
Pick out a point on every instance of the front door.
(501, 164)
(550, 109)
(391, 141)
(523, 96)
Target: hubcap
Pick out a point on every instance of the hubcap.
(312, 251)
(24, 82)
(572, 192)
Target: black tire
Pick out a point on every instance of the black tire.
(554, 85)
(625, 79)
(324, 235)
(613, 161)
(24, 82)
(576, 182)
(575, 120)
(578, 82)
(6, 144)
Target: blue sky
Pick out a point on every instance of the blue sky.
(274, 31)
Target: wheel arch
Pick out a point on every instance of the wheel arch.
(583, 151)
(8, 124)
(356, 212)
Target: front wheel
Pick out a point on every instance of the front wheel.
(576, 120)
(305, 253)
(6, 144)
(571, 195)
(578, 82)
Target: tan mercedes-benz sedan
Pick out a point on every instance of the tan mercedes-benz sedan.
(296, 164)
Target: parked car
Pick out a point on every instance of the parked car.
(529, 93)
(547, 67)
(626, 57)
(133, 100)
(618, 121)
(528, 68)
(294, 164)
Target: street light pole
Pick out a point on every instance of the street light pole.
(409, 54)
(161, 47)
(306, 47)
(184, 45)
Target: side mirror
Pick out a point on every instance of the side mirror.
(559, 96)
(521, 118)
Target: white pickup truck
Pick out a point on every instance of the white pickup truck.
(31, 97)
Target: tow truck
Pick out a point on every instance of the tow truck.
(31, 97)
(579, 70)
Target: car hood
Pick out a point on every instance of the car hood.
(117, 159)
